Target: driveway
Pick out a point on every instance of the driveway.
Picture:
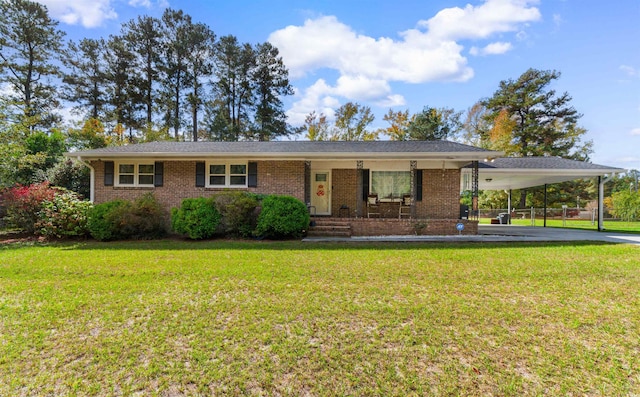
(505, 233)
(530, 233)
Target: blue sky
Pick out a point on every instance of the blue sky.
(411, 54)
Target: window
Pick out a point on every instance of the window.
(135, 174)
(390, 184)
(227, 175)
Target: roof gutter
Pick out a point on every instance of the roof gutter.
(460, 156)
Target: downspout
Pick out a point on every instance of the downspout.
(92, 180)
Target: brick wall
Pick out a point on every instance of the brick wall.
(281, 177)
(440, 198)
(403, 227)
(440, 194)
(344, 189)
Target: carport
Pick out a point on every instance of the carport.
(508, 173)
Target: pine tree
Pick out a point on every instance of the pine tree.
(86, 79)
(29, 44)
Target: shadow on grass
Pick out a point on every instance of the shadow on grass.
(245, 245)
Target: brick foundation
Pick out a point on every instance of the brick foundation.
(404, 227)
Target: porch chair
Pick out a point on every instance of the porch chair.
(373, 206)
(405, 207)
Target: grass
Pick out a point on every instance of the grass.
(609, 225)
(290, 318)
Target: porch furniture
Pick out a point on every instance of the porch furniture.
(405, 207)
(373, 206)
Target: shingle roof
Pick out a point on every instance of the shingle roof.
(292, 147)
(541, 163)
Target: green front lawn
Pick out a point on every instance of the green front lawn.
(291, 318)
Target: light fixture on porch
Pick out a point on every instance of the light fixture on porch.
(488, 179)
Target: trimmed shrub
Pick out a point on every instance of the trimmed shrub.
(239, 211)
(63, 216)
(145, 220)
(120, 219)
(197, 218)
(104, 220)
(282, 217)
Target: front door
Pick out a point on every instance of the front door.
(321, 192)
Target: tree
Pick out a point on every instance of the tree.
(29, 41)
(143, 37)
(434, 124)
(316, 126)
(91, 136)
(176, 26)
(626, 205)
(351, 123)
(271, 81)
(232, 89)
(544, 123)
(86, 79)
(398, 129)
(476, 126)
(500, 134)
(628, 181)
(123, 97)
(201, 42)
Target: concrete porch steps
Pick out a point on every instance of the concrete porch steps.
(329, 227)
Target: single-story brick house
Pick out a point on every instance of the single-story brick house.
(374, 188)
(366, 182)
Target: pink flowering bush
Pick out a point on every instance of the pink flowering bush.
(44, 210)
(23, 204)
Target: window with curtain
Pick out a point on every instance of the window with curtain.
(390, 184)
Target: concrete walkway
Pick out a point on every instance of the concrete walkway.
(506, 233)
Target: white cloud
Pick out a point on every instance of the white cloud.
(367, 66)
(491, 49)
(88, 13)
(493, 16)
(328, 43)
(629, 70)
(557, 20)
(92, 13)
(149, 3)
(635, 131)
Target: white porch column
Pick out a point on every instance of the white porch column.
(601, 204)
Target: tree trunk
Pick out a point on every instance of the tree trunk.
(523, 199)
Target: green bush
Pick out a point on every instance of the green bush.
(197, 218)
(104, 220)
(65, 215)
(239, 212)
(145, 220)
(282, 217)
(120, 219)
